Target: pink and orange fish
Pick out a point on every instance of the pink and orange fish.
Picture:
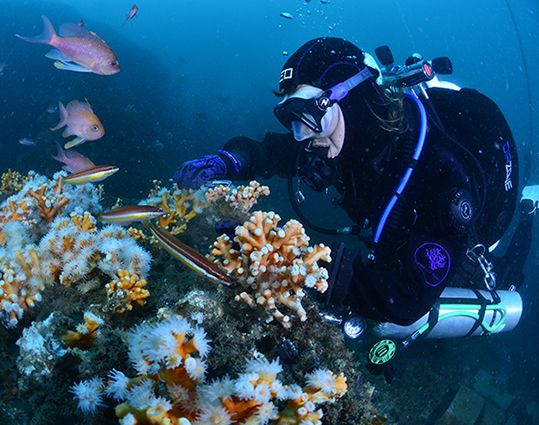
(81, 122)
(73, 160)
(131, 14)
(77, 49)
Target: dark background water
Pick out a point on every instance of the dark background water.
(196, 73)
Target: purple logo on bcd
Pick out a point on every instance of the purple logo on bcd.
(433, 261)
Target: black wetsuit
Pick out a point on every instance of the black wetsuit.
(462, 192)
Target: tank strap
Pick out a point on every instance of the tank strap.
(481, 300)
(434, 315)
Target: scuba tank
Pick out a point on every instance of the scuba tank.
(459, 312)
(462, 312)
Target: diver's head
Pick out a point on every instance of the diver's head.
(314, 79)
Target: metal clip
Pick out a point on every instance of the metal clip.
(300, 197)
(477, 254)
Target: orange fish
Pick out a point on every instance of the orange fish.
(131, 14)
(81, 122)
(77, 49)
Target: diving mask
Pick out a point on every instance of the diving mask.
(315, 108)
(307, 105)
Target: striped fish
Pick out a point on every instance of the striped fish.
(127, 215)
(188, 256)
(90, 175)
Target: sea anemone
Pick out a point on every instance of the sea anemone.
(216, 415)
(218, 389)
(118, 385)
(89, 394)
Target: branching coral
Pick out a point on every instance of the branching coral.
(70, 249)
(274, 264)
(12, 182)
(21, 274)
(171, 355)
(242, 198)
(180, 206)
(49, 202)
(41, 200)
(126, 291)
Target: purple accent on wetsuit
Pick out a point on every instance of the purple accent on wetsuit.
(433, 261)
(193, 174)
(235, 161)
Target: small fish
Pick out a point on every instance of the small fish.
(27, 142)
(51, 109)
(187, 255)
(131, 14)
(81, 23)
(81, 122)
(77, 49)
(2, 66)
(286, 15)
(90, 175)
(126, 215)
(73, 160)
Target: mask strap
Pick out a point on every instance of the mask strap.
(339, 91)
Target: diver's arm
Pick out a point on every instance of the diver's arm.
(275, 155)
(242, 159)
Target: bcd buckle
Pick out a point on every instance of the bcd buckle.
(476, 254)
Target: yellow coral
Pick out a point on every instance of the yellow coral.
(127, 290)
(12, 182)
(180, 206)
(274, 264)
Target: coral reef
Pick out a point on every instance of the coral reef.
(70, 249)
(274, 264)
(180, 206)
(75, 265)
(12, 181)
(126, 291)
(21, 273)
(242, 198)
(41, 200)
(171, 354)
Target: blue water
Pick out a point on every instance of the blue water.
(195, 73)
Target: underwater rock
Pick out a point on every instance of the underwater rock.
(201, 306)
(39, 351)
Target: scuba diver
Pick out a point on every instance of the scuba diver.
(427, 172)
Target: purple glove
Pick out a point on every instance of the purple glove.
(193, 174)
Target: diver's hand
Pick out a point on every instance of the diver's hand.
(193, 174)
